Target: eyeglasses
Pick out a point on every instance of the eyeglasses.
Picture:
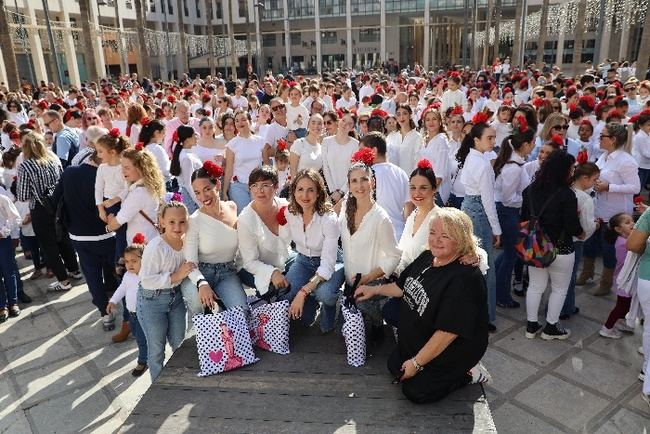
(264, 186)
(47, 124)
(561, 127)
(630, 89)
(278, 107)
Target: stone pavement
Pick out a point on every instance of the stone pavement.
(61, 373)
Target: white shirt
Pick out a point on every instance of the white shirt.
(511, 182)
(129, 289)
(622, 172)
(407, 149)
(320, 238)
(502, 130)
(109, 183)
(159, 262)
(161, 158)
(297, 117)
(392, 193)
(641, 149)
(262, 251)
(239, 101)
(138, 198)
(23, 209)
(366, 90)
(206, 154)
(248, 155)
(274, 132)
(451, 98)
(9, 217)
(493, 106)
(343, 103)
(437, 152)
(189, 163)
(413, 244)
(135, 133)
(372, 245)
(477, 177)
(586, 213)
(310, 156)
(337, 162)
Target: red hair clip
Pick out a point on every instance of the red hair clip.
(379, 113)
(457, 110)
(175, 136)
(282, 145)
(558, 140)
(582, 157)
(171, 99)
(479, 118)
(213, 169)
(139, 146)
(114, 133)
(365, 156)
(572, 107)
(638, 200)
(425, 164)
(523, 123)
(138, 238)
(145, 121)
(281, 218)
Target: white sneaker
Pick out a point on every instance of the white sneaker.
(621, 325)
(640, 350)
(108, 322)
(59, 286)
(610, 333)
(480, 374)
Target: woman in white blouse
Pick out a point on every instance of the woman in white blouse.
(477, 177)
(405, 144)
(436, 151)
(368, 240)
(211, 243)
(616, 187)
(313, 227)
(152, 136)
(209, 147)
(184, 163)
(265, 255)
(306, 152)
(243, 154)
(337, 151)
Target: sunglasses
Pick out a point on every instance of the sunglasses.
(561, 127)
(278, 107)
(630, 89)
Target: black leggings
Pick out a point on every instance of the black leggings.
(59, 254)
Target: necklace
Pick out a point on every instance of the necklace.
(437, 263)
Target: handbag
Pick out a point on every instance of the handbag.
(533, 246)
(223, 342)
(269, 325)
(354, 329)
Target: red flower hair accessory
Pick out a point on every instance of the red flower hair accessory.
(42, 104)
(572, 107)
(425, 164)
(457, 111)
(539, 102)
(175, 136)
(523, 123)
(365, 156)
(213, 169)
(114, 133)
(111, 101)
(145, 121)
(177, 197)
(558, 140)
(171, 99)
(281, 218)
(638, 200)
(282, 145)
(582, 157)
(455, 74)
(340, 113)
(379, 113)
(139, 146)
(633, 119)
(479, 118)
(138, 238)
(14, 135)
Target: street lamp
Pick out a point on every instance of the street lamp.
(101, 3)
(258, 36)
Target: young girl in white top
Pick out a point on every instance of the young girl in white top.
(477, 177)
(502, 123)
(152, 136)
(283, 166)
(367, 237)
(313, 227)
(110, 186)
(211, 242)
(407, 140)
(297, 114)
(184, 163)
(511, 179)
(306, 153)
(160, 307)
(129, 289)
(337, 151)
(436, 151)
(209, 147)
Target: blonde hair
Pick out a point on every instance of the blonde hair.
(145, 162)
(34, 148)
(551, 121)
(459, 227)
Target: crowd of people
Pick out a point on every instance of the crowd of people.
(170, 196)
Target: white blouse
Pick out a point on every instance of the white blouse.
(262, 251)
(372, 245)
(206, 154)
(477, 177)
(159, 262)
(511, 182)
(248, 155)
(408, 149)
(641, 149)
(189, 163)
(129, 289)
(337, 161)
(109, 183)
(310, 156)
(319, 238)
(138, 198)
(437, 152)
(9, 217)
(621, 171)
(161, 157)
(412, 244)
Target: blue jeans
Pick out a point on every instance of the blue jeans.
(248, 279)
(120, 233)
(644, 174)
(223, 280)
(8, 291)
(327, 293)
(455, 201)
(138, 333)
(240, 194)
(596, 243)
(473, 207)
(97, 261)
(570, 300)
(188, 200)
(161, 313)
(509, 220)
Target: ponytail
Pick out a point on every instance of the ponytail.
(468, 142)
(512, 143)
(180, 136)
(147, 131)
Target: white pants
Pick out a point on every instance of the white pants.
(560, 273)
(643, 293)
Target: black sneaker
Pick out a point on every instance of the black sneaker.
(492, 328)
(555, 331)
(24, 298)
(532, 328)
(569, 315)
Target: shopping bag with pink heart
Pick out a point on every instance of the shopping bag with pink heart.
(223, 341)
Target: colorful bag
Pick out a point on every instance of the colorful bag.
(269, 325)
(354, 329)
(223, 341)
(533, 246)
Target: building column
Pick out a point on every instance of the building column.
(36, 47)
(559, 53)
(319, 52)
(3, 70)
(604, 42)
(163, 59)
(625, 33)
(426, 36)
(382, 31)
(348, 33)
(287, 35)
(69, 48)
(96, 39)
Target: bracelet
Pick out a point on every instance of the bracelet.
(417, 366)
(316, 280)
(200, 281)
(304, 291)
(107, 229)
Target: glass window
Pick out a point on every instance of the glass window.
(296, 38)
(369, 35)
(269, 40)
(328, 37)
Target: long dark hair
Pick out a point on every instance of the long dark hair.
(530, 114)
(147, 131)
(351, 204)
(468, 142)
(512, 143)
(410, 110)
(184, 132)
(554, 173)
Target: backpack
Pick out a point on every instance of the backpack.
(533, 246)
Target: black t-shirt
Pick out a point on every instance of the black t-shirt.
(450, 298)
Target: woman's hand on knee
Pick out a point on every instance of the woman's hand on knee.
(295, 310)
(206, 295)
(278, 280)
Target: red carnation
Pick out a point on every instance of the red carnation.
(523, 124)
(282, 145)
(213, 169)
(558, 140)
(479, 118)
(139, 146)
(582, 157)
(138, 238)
(114, 133)
(282, 219)
(145, 121)
(365, 156)
(171, 99)
(572, 107)
(456, 111)
(539, 102)
(633, 119)
(638, 200)
(379, 113)
(175, 136)
(234, 179)
(425, 164)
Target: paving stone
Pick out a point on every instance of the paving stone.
(506, 371)
(595, 308)
(511, 419)
(536, 350)
(581, 328)
(563, 402)
(38, 353)
(15, 423)
(624, 349)
(637, 403)
(625, 421)
(27, 328)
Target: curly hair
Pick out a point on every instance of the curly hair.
(145, 162)
(322, 203)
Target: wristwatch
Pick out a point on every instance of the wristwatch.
(417, 366)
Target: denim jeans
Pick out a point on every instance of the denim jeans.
(188, 200)
(97, 260)
(644, 174)
(327, 293)
(161, 313)
(505, 262)
(248, 279)
(223, 280)
(597, 243)
(473, 207)
(138, 333)
(240, 194)
(455, 201)
(8, 291)
(120, 233)
(570, 300)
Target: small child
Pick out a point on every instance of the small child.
(297, 114)
(282, 166)
(129, 289)
(28, 238)
(502, 124)
(619, 228)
